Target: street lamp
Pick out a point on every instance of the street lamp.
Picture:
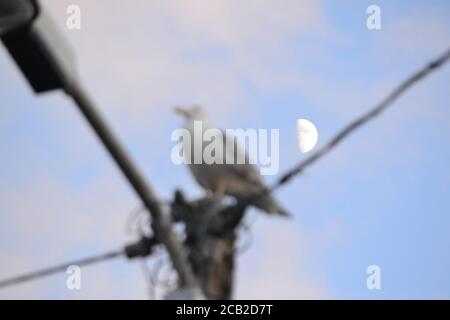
(47, 62)
(15, 13)
(36, 45)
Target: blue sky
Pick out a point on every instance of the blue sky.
(380, 198)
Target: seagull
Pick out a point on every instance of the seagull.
(238, 180)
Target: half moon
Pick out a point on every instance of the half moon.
(307, 135)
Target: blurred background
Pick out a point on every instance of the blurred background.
(381, 198)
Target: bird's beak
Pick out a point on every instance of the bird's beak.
(182, 112)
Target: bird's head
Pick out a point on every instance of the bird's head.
(191, 113)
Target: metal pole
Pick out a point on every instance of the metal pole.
(160, 222)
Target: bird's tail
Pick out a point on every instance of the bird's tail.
(270, 205)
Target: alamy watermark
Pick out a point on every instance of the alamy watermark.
(73, 281)
(373, 21)
(73, 21)
(373, 281)
(213, 146)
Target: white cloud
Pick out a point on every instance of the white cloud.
(146, 57)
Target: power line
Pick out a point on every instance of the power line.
(141, 248)
(60, 268)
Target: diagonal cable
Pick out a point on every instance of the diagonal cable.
(60, 268)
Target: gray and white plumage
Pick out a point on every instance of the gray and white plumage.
(240, 181)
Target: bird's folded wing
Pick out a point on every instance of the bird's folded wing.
(245, 171)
